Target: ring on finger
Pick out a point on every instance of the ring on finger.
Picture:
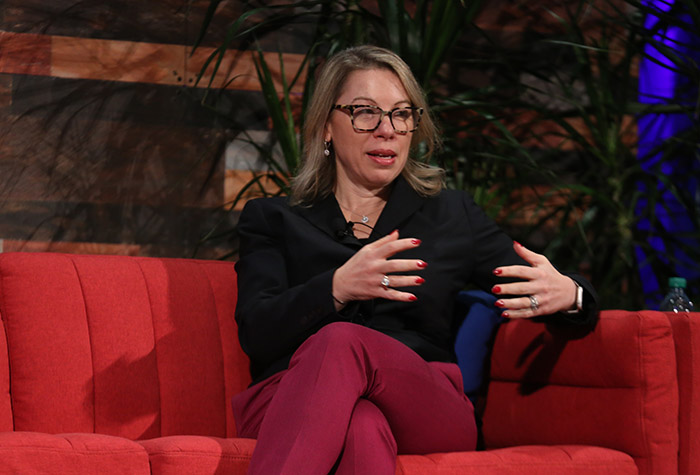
(385, 282)
(534, 304)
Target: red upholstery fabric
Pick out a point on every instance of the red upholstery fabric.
(193, 455)
(5, 400)
(615, 388)
(99, 351)
(561, 460)
(133, 347)
(686, 336)
(29, 453)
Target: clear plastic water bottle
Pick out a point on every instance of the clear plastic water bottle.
(676, 299)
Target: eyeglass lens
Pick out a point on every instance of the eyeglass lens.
(404, 119)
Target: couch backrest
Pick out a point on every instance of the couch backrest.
(126, 346)
(615, 387)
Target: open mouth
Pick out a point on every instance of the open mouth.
(382, 156)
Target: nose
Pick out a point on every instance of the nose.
(385, 128)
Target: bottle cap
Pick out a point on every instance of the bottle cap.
(679, 282)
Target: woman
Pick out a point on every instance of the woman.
(347, 287)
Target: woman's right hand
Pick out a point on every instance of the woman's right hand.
(360, 278)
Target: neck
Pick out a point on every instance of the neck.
(363, 208)
(361, 200)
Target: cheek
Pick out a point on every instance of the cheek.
(405, 147)
(346, 154)
(348, 146)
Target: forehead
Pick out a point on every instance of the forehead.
(379, 85)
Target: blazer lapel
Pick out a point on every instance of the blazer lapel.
(403, 202)
(326, 215)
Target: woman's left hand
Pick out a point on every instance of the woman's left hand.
(544, 290)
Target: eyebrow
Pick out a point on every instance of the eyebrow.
(369, 99)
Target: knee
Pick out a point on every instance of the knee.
(340, 330)
(368, 426)
(337, 335)
(339, 342)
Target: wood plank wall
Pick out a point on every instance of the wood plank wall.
(105, 146)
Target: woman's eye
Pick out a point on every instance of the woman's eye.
(402, 114)
(365, 111)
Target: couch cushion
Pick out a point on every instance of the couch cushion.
(474, 337)
(686, 336)
(36, 453)
(526, 460)
(194, 455)
(208, 455)
(615, 387)
(133, 347)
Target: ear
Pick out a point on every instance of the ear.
(327, 135)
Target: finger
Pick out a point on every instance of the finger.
(515, 314)
(515, 288)
(522, 272)
(392, 236)
(403, 265)
(513, 309)
(396, 281)
(529, 256)
(516, 304)
(392, 294)
(390, 248)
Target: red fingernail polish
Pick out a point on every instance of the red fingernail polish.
(416, 242)
(497, 272)
(505, 315)
(496, 289)
(420, 280)
(422, 264)
(413, 298)
(500, 303)
(517, 243)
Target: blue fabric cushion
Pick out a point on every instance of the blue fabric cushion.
(474, 337)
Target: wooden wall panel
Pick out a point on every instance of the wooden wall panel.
(25, 54)
(165, 230)
(9, 245)
(129, 61)
(156, 21)
(105, 146)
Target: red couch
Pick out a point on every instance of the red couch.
(113, 364)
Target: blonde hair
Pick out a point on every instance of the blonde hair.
(316, 176)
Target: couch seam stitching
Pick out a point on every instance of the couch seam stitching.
(562, 385)
(644, 390)
(155, 346)
(692, 413)
(89, 332)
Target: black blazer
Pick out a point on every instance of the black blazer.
(288, 256)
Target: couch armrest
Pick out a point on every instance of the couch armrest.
(612, 387)
(686, 336)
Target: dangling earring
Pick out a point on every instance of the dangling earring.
(326, 148)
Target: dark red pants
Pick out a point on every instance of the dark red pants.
(352, 399)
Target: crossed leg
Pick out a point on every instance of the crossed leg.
(307, 415)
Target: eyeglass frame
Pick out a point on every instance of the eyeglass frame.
(351, 108)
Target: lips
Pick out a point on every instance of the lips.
(382, 156)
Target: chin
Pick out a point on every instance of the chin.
(384, 179)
